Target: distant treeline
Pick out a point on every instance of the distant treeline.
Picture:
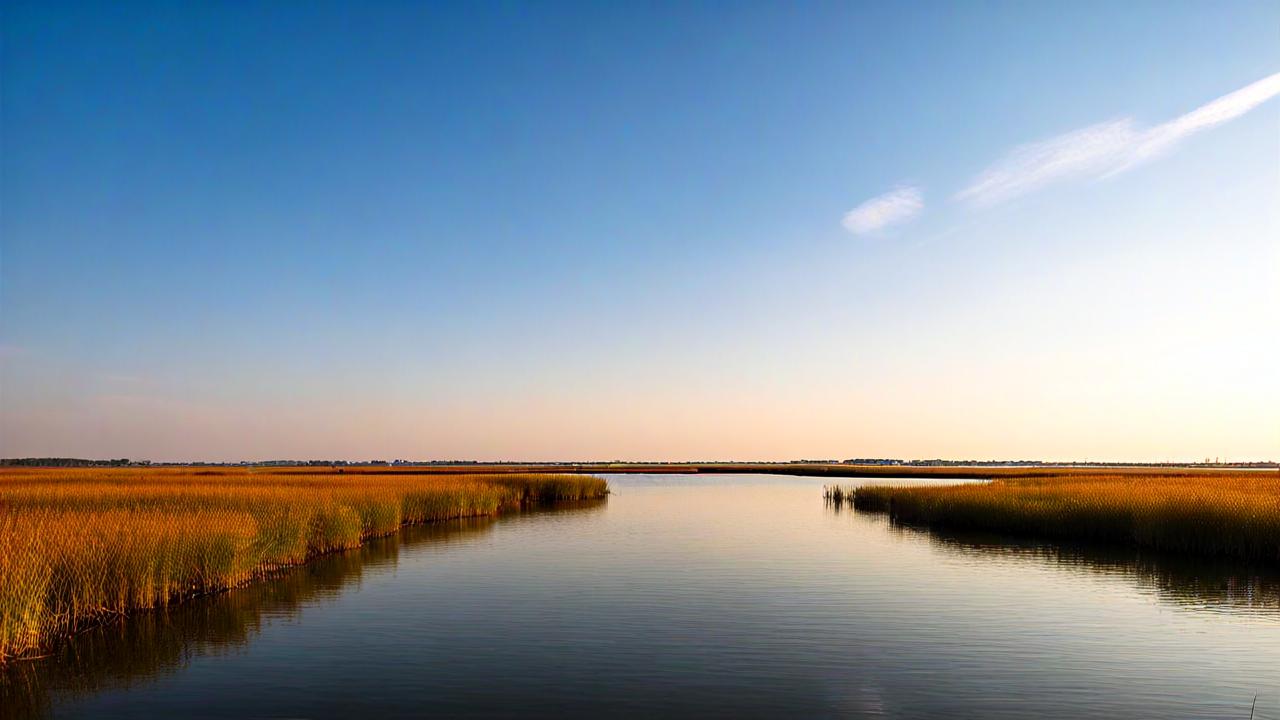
(65, 462)
(621, 464)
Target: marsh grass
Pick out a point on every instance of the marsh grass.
(1234, 514)
(81, 546)
(150, 644)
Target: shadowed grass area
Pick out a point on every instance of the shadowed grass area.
(1236, 514)
(80, 546)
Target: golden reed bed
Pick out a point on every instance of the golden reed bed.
(1223, 513)
(78, 546)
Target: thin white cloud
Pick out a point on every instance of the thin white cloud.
(896, 206)
(1162, 138)
(1094, 149)
(1105, 149)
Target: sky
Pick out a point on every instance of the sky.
(658, 230)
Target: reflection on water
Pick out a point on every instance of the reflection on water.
(1208, 584)
(153, 644)
(726, 596)
(1200, 583)
(1225, 585)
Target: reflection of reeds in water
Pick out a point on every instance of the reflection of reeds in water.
(78, 547)
(161, 642)
(1236, 514)
(1191, 581)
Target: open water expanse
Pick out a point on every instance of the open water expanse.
(692, 596)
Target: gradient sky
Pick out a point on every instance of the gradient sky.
(641, 230)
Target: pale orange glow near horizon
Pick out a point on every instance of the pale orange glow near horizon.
(1082, 269)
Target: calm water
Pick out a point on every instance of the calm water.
(732, 596)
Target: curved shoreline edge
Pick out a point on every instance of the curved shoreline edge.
(79, 548)
(1210, 514)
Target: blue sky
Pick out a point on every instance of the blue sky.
(640, 230)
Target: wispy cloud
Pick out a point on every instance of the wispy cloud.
(1162, 138)
(896, 206)
(1105, 149)
(1091, 150)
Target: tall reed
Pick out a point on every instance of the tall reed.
(1236, 514)
(78, 546)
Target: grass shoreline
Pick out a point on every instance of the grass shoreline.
(83, 547)
(1222, 514)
